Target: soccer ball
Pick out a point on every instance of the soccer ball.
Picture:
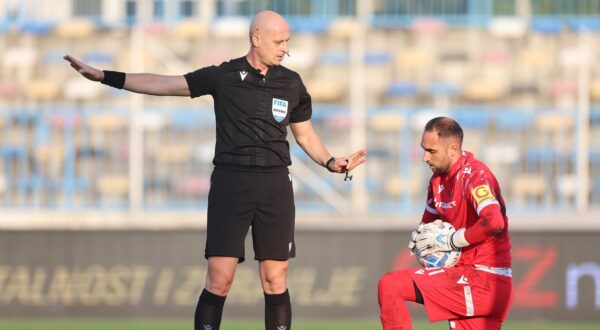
(443, 259)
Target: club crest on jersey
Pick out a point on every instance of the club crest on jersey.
(279, 109)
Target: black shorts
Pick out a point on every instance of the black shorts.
(241, 198)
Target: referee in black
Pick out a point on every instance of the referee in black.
(255, 99)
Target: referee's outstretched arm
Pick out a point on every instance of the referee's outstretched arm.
(143, 83)
(310, 142)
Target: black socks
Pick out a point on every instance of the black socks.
(209, 311)
(278, 311)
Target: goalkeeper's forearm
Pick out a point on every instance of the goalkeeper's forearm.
(490, 224)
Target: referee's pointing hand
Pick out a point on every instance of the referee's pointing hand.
(85, 70)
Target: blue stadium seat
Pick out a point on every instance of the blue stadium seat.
(541, 155)
(583, 24)
(443, 89)
(5, 26)
(74, 185)
(594, 156)
(186, 120)
(546, 26)
(25, 117)
(377, 58)
(401, 89)
(308, 25)
(472, 119)
(10, 152)
(37, 28)
(511, 120)
(333, 58)
(99, 57)
(595, 115)
(30, 184)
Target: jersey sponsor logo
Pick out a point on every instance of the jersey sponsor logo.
(482, 193)
(243, 74)
(279, 109)
(444, 205)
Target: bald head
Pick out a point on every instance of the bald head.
(269, 36)
(267, 21)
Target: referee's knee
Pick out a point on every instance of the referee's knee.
(219, 285)
(220, 290)
(274, 282)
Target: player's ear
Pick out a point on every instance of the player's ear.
(255, 40)
(454, 149)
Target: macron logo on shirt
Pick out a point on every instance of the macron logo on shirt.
(243, 74)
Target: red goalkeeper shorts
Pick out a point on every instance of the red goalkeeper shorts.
(469, 298)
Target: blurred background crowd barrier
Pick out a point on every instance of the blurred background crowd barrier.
(150, 274)
(521, 77)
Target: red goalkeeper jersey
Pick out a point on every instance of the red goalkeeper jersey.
(459, 197)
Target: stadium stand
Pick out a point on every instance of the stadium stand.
(512, 79)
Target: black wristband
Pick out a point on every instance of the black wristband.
(114, 79)
(451, 241)
(331, 160)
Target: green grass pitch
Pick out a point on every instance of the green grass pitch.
(257, 325)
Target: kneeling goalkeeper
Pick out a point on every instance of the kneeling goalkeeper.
(477, 292)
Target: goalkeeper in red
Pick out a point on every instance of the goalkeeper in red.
(477, 292)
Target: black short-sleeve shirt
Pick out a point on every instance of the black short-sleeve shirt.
(252, 111)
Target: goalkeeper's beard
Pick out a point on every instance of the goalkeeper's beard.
(438, 169)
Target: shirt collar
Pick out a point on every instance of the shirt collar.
(459, 163)
(244, 65)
